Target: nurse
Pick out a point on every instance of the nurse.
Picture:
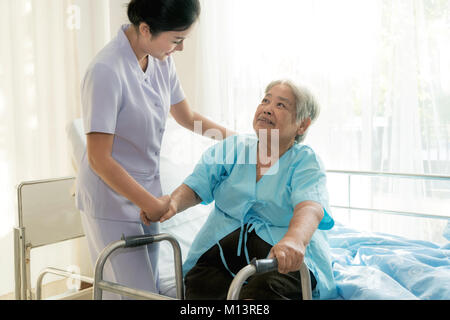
(127, 93)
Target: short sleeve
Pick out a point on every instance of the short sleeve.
(309, 184)
(101, 92)
(176, 91)
(214, 166)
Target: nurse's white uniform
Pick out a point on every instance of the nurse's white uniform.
(119, 98)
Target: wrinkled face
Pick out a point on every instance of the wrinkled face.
(277, 111)
(163, 44)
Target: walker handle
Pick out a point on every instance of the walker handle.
(137, 241)
(265, 265)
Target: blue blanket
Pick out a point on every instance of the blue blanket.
(374, 266)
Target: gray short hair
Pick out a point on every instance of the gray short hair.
(305, 102)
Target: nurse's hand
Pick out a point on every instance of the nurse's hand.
(144, 219)
(156, 212)
(290, 255)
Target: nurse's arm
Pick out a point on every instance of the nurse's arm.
(182, 199)
(187, 118)
(99, 149)
(290, 251)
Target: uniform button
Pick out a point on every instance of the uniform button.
(156, 153)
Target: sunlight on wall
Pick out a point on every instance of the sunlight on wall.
(445, 61)
(7, 218)
(2, 103)
(33, 123)
(31, 94)
(3, 130)
(28, 7)
(311, 31)
(5, 194)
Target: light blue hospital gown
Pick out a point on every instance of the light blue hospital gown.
(226, 174)
(119, 98)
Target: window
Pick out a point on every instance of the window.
(379, 68)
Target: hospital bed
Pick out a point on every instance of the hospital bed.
(366, 264)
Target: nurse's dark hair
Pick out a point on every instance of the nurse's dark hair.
(164, 15)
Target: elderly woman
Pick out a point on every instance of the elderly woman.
(270, 201)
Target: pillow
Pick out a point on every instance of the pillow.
(181, 149)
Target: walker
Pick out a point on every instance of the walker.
(255, 267)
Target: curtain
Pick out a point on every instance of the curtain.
(379, 69)
(46, 46)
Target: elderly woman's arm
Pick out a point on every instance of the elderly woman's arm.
(181, 199)
(290, 251)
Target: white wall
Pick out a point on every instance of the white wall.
(94, 31)
(186, 63)
(118, 15)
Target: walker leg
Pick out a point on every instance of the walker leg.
(131, 242)
(262, 266)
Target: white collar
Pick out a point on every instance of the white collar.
(130, 56)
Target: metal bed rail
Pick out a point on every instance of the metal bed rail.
(42, 207)
(58, 272)
(429, 177)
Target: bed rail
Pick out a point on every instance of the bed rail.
(46, 215)
(58, 272)
(350, 174)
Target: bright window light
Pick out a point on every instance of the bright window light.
(33, 123)
(28, 7)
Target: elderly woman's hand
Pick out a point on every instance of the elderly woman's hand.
(173, 209)
(289, 253)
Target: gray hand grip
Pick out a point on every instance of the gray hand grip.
(265, 265)
(137, 241)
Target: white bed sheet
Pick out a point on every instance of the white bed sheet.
(378, 266)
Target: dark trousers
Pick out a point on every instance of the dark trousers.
(210, 280)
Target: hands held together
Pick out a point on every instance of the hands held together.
(290, 252)
(165, 209)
